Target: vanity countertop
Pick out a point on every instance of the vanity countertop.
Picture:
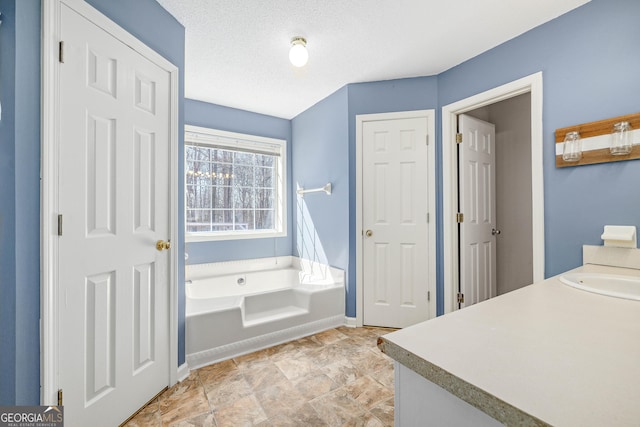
(546, 354)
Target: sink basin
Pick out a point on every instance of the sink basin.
(613, 285)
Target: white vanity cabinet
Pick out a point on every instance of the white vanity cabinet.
(419, 402)
(546, 354)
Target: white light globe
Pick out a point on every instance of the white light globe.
(298, 54)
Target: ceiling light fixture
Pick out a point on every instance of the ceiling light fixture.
(298, 54)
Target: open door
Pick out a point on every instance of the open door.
(114, 261)
(477, 205)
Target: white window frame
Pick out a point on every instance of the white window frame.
(231, 138)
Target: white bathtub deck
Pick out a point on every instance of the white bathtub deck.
(219, 328)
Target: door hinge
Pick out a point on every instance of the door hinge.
(60, 397)
(61, 52)
(428, 295)
(60, 225)
(426, 137)
(459, 217)
(458, 138)
(427, 217)
(460, 298)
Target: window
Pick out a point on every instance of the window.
(235, 185)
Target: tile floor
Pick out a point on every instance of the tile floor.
(335, 378)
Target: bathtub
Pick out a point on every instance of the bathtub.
(234, 308)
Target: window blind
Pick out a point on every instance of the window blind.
(236, 144)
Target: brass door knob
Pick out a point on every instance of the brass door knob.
(163, 245)
(368, 233)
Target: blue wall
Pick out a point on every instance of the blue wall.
(27, 200)
(320, 156)
(233, 120)
(20, 211)
(590, 62)
(7, 210)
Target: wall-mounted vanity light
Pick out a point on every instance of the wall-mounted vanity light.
(572, 149)
(621, 139)
(298, 54)
(603, 141)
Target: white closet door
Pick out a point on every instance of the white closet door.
(396, 235)
(114, 198)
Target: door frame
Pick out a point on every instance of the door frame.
(429, 115)
(529, 84)
(50, 144)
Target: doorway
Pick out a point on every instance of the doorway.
(395, 204)
(506, 260)
(526, 90)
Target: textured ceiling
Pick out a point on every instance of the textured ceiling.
(237, 50)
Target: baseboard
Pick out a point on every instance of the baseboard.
(183, 372)
(350, 322)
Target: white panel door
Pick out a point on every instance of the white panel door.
(114, 198)
(477, 158)
(396, 235)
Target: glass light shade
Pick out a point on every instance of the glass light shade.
(620, 139)
(298, 54)
(572, 147)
